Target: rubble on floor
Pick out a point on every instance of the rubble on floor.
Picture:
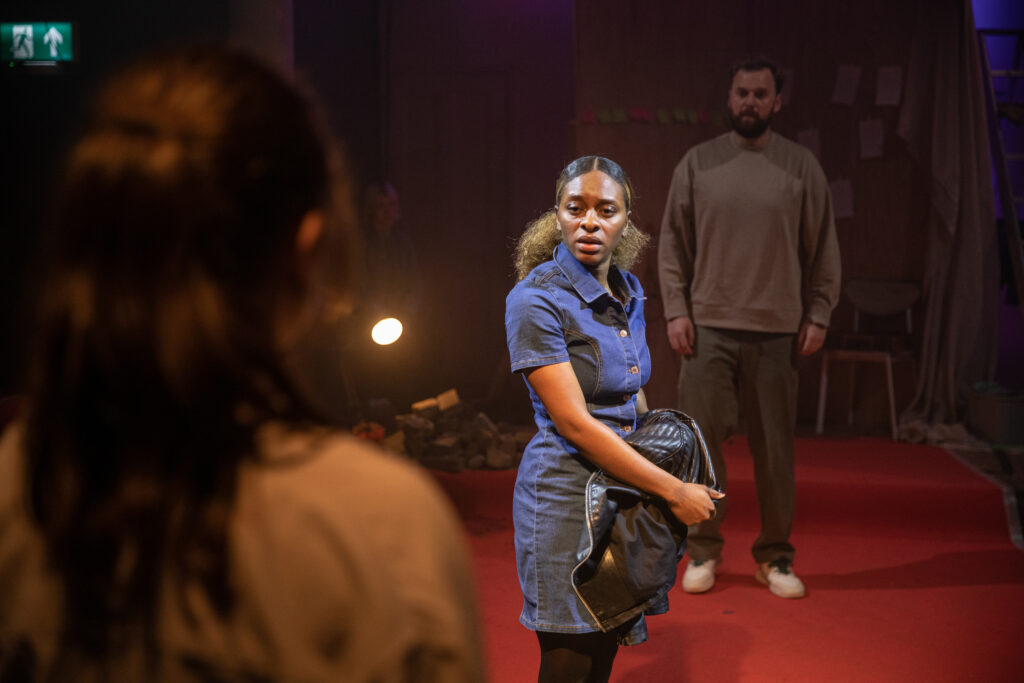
(445, 433)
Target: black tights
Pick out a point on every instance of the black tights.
(576, 657)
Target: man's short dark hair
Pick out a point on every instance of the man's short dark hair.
(756, 63)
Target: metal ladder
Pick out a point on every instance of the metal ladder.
(999, 108)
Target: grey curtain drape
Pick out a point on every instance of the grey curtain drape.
(943, 123)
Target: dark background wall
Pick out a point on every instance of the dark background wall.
(338, 52)
(335, 53)
(471, 107)
(1004, 51)
(40, 113)
(479, 99)
(681, 55)
(463, 105)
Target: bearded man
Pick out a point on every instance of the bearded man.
(749, 270)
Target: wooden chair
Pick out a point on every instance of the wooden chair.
(881, 301)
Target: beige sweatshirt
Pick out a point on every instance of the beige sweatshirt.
(748, 239)
(348, 565)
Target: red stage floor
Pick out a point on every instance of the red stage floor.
(906, 554)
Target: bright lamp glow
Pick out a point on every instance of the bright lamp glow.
(387, 331)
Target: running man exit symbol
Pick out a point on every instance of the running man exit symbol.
(54, 39)
(22, 47)
(42, 42)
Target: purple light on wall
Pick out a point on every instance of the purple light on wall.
(999, 14)
(1004, 52)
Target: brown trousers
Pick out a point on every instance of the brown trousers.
(755, 370)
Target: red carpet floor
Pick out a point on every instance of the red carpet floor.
(906, 554)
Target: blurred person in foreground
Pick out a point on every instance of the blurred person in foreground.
(169, 508)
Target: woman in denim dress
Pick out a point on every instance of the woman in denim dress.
(575, 330)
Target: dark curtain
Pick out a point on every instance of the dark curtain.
(943, 123)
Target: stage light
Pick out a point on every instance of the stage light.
(387, 331)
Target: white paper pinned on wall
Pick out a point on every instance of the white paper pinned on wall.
(842, 198)
(811, 139)
(872, 138)
(846, 84)
(890, 84)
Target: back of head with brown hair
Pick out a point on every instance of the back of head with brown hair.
(156, 356)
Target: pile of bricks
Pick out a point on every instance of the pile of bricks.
(443, 433)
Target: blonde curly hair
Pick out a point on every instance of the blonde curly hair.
(538, 241)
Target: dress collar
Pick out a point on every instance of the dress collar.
(584, 282)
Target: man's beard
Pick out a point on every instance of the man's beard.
(750, 128)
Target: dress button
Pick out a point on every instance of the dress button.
(623, 333)
(627, 429)
(633, 370)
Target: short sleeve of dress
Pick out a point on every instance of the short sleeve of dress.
(533, 328)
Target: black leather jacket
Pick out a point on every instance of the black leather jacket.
(635, 540)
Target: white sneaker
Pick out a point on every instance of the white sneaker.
(779, 577)
(699, 576)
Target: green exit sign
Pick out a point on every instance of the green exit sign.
(37, 42)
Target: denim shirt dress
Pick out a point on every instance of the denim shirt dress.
(560, 313)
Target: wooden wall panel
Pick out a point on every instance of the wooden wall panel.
(676, 54)
(480, 95)
(453, 177)
(486, 103)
